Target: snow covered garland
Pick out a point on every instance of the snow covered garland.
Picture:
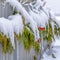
(25, 26)
(13, 27)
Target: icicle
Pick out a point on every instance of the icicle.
(7, 29)
(27, 17)
(41, 19)
(52, 15)
(38, 3)
(17, 23)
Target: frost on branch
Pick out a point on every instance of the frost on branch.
(28, 18)
(10, 26)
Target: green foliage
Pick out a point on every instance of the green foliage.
(28, 40)
(48, 32)
(18, 37)
(6, 44)
(55, 30)
(15, 12)
(37, 47)
(53, 56)
(59, 30)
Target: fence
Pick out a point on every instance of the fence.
(5, 10)
(19, 53)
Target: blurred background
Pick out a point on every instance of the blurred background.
(54, 5)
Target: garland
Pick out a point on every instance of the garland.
(6, 44)
(50, 32)
(28, 40)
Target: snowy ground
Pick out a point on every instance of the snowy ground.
(56, 53)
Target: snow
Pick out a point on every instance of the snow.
(41, 19)
(58, 17)
(57, 39)
(56, 53)
(11, 25)
(58, 20)
(7, 29)
(56, 47)
(56, 42)
(39, 3)
(53, 5)
(14, 24)
(17, 23)
(52, 15)
(39, 16)
(35, 19)
(28, 18)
